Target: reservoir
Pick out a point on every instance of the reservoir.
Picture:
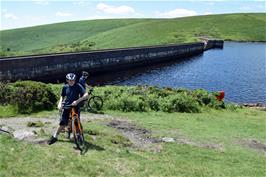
(239, 69)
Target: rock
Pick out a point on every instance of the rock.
(24, 134)
(6, 129)
(168, 140)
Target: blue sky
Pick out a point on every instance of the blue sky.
(17, 14)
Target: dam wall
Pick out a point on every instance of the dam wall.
(41, 67)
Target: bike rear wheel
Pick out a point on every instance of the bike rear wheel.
(95, 103)
(77, 131)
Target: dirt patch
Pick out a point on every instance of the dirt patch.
(140, 137)
(32, 129)
(253, 144)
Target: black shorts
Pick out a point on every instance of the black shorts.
(65, 116)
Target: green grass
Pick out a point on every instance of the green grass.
(116, 33)
(105, 158)
(8, 111)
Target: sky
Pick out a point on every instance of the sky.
(20, 13)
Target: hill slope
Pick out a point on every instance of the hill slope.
(116, 33)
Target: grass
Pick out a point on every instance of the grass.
(117, 33)
(105, 158)
(8, 111)
(11, 111)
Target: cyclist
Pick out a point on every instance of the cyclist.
(72, 94)
(83, 78)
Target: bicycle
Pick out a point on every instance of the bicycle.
(75, 126)
(95, 103)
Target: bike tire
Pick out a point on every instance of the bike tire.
(78, 134)
(95, 103)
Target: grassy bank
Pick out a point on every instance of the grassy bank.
(210, 140)
(104, 34)
(229, 129)
(25, 97)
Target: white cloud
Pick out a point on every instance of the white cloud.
(176, 13)
(117, 10)
(40, 2)
(63, 14)
(8, 15)
(81, 3)
(11, 16)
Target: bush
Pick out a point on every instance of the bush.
(127, 104)
(31, 96)
(5, 93)
(153, 102)
(181, 102)
(149, 98)
(202, 96)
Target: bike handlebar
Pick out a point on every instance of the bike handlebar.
(68, 106)
(91, 90)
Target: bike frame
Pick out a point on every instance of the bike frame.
(74, 116)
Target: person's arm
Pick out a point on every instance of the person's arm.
(88, 86)
(62, 98)
(84, 97)
(59, 106)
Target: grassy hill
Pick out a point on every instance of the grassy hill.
(116, 33)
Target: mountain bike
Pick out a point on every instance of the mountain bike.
(95, 103)
(75, 126)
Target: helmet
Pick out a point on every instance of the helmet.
(71, 76)
(85, 73)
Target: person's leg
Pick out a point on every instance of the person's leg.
(62, 124)
(58, 131)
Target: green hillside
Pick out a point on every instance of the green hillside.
(116, 33)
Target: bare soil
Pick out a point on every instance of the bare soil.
(253, 144)
(140, 137)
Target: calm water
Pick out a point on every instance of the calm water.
(239, 69)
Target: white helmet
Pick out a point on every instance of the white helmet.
(71, 76)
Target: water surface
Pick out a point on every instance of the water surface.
(239, 69)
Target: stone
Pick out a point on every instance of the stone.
(168, 139)
(24, 134)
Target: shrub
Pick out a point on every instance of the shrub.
(127, 104)
(31, 96)
(5, 93)
(147, 98)
(202, 96)
(181, 102)
(153, 102)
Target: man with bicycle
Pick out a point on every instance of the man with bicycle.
(83, 78)
(72, 94)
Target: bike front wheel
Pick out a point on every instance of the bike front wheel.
(77, 131)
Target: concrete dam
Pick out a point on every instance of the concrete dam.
(55, 66)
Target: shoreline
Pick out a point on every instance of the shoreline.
(226, 40)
